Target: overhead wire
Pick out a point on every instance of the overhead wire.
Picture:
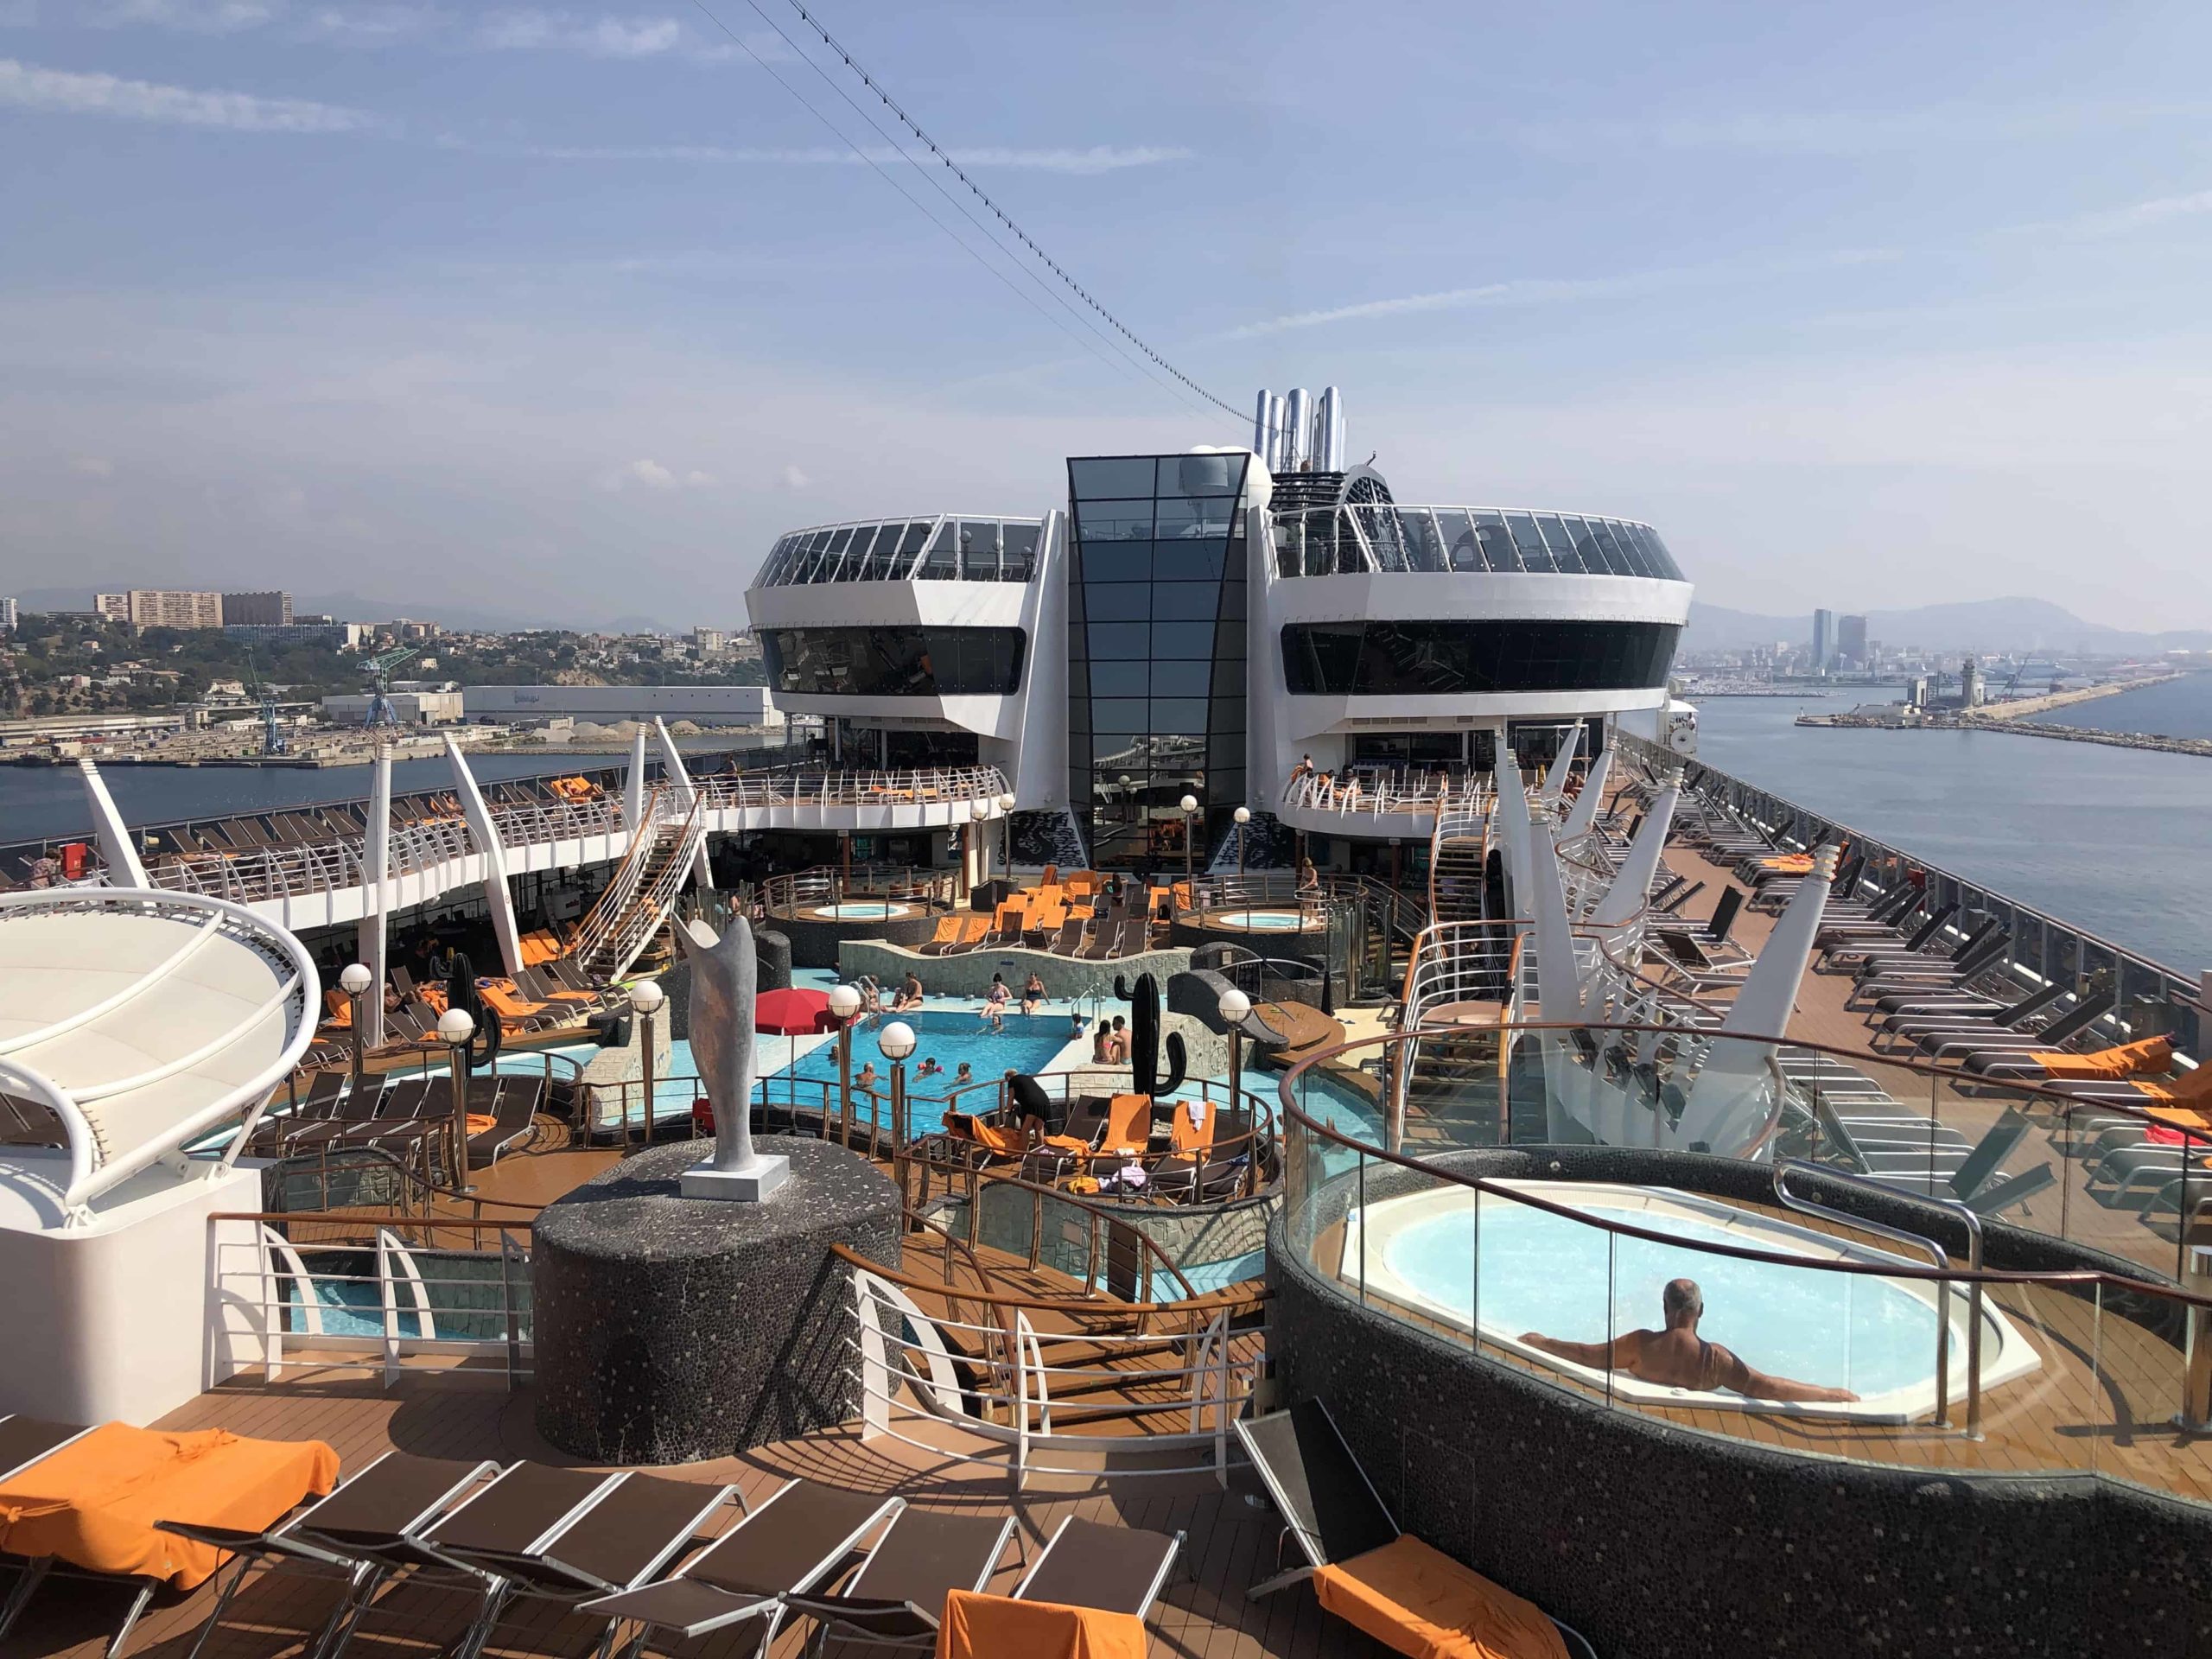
(997, 211)
(937, 184)
(919, 205)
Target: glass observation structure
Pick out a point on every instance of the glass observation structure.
(948, 548)
(1356, 536)
(1156, 609)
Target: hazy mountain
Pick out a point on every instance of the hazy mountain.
(1983, 624)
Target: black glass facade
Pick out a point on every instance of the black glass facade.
(895, 662)
(1444, 660)
(1156, 609)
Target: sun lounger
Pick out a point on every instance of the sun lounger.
(24, 1440)
(2061, 1031)
(511, 1120)
(1364, 1569)
(1090, 1566)
(947, 934)
(1070, 938)
(787, 1545)
(356, 1534)
(93, 1505)
(898, 1596)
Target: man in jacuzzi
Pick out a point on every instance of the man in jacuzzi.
(1677, 1357)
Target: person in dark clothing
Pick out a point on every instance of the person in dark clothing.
(1036, 1112)
(462, 993)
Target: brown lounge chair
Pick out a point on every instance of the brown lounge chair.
(789, 1545)
(947, 935)
(1099, 1583)
(1356, 1556)
(896, 1597)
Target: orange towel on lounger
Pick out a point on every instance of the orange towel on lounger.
(1417, 1600)
(93, 1504)
(2152, 1054)
(999, 1627)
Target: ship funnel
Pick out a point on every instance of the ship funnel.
(1263, 425)
(1298, 432)
(1278, 437)
(1329, 432)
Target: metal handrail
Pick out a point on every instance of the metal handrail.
(1911, 1241)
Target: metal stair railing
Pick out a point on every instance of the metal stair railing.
(611, 937)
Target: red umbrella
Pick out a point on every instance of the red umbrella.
(793, 1013)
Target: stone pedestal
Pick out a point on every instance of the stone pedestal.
(669, 1329)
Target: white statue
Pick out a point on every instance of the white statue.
(724, 978)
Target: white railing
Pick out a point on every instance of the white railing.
(388, 1301)
(636, 901)
(906, 1374)
(905, 786)
(1356, 794)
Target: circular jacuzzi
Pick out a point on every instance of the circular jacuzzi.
(1261, 921)
(1486, 1263)
(863, 910)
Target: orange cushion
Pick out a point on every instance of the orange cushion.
(2152, 1054)
(998, 1627)
(1417, 1600)
(93, 1504)
(1128, 1123)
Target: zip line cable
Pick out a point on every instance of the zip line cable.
(1028, 242)
(919, 206)
(990, 236)
(1000, 213)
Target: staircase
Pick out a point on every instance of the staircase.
(636, 902)
(1458, 854)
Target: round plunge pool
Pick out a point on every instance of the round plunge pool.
(1261, 921)
(1551, 1274)
(864, 910)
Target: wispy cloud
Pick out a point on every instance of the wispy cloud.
(189, 16)
(603, 36)
(649, 474)
(2136, 216)
(62, 91)
(1854, 132)
(1096, 158)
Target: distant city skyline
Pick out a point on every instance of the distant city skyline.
(458, 304)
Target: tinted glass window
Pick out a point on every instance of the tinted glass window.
(1130, 641)
(1117, 601)
(889, 662)
(1020, 552)
(1200, 474)
(1123, 475)
(1182, 639)
(1459, 659)
(1185, 602)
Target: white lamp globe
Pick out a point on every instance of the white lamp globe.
(1243, 815)
(896, 1040)
(1189, 803)
(844, 1000)
(455, 1027)
(647, 996)
(1005, 802)
(1233, 1006)
(355, 978)
(979, 811)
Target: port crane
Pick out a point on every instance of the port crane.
(272, 740)
(379, 668)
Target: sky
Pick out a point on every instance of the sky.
(563, 313)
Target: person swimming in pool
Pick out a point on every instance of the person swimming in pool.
(868, 1078)
(928, 1068)
(1677, 1357)
(964, 1076)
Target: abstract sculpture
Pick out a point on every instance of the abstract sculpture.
(1144, 1038)
(724, 975)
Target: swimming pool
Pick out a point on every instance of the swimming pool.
(1539, 1271)
(1028, 1042)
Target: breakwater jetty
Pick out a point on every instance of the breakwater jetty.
(2014, 716)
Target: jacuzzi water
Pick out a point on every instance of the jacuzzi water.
(856, 910)
(1260, 921)
(1544, 1273)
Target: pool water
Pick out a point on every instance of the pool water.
(1260, 921)
(1548, 1274)
(859, 911)
(1028, 1043)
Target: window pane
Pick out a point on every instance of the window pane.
(894, 661)
(1558, 544)
(1185, 602)
(979, 551)
(1116, 602)
(1200, 474)
(1130, 641)
(1118, 714)
(1118, 680)
(1181, 519)
(1178, 713)
(1122, 749)
(1458, 658)
(1176, 640)
(1021, 551)
(1090, 480)
(943, 563)
(1180, 679)
(1192, 561)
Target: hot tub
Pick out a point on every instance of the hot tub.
(1261, 921)
(863, 910)
(1541, 1273)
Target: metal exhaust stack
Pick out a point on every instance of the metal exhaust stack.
(1329, 432)
(1263, 441)
(1298, 432)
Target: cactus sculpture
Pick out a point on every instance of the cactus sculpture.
(1144, 1038)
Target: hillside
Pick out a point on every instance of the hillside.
(1986, 625)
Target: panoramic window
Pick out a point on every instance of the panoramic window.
(895, 662)
(1442, 659)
